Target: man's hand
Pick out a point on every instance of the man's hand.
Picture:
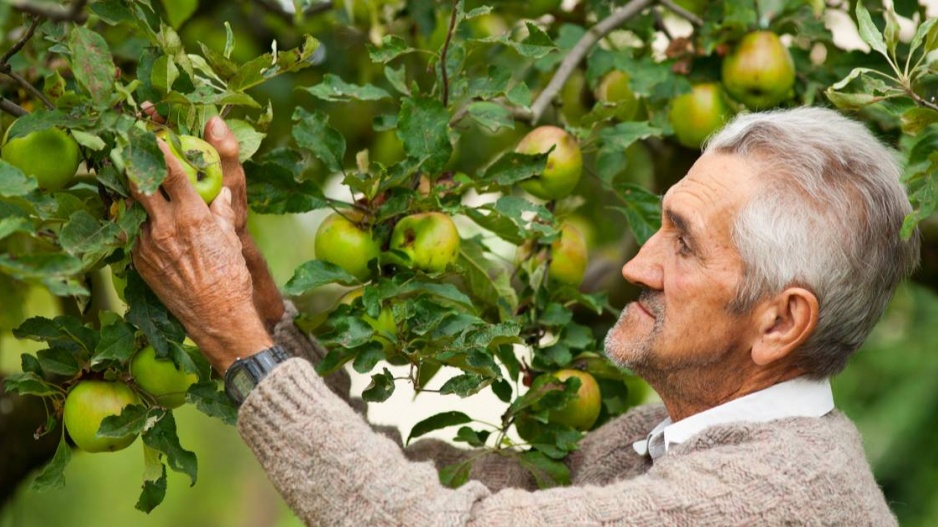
(190, 255)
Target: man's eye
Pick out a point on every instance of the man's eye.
(682, 248)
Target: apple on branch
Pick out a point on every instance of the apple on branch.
(88, 403)
(564, 164)
(50, 155)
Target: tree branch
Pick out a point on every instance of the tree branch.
(21, 42)
(12, 108)
(581, 49)
(8, 71)
(683, 13)
(75, 13)
(449, 38)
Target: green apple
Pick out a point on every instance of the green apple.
(572, 94)
(582, 411)
(200, 162)
(161, 378)
(614, 89)
(341, 239)
(696, 115)
(430, 239)
(87, 404)
(384, 324)
(564, 164)
(759, 72)
(50, 155)
(568, 257)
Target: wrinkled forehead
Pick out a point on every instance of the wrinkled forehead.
(714, 189)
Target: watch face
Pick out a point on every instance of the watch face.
(241, 383)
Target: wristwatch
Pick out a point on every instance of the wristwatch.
(244, 374)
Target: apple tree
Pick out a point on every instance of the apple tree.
(494, 158)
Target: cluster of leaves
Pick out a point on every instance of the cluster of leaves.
(62, 238)
(902, 95)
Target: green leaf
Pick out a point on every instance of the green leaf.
(178, 11)
(536, 45)
(55, 270)
(465, 385)
(273, 189)
(13, 182)
(212, 402)
(333, 88)
(491, 116)
(116, 344)
(436, 422)
(162, 437)
(52, 475)
(398, 79)
(868, 31)
(913, 120)
(131, 421)
(148, 314)
(59, 361)
(555, 315)
(316, 273)
(265, 67)
(546, 471)
(153, 492)
(63, 331)
(313, 133)
(13, 225)
(454, 476)
(92, 64)
(143, 160)
(390, 48)
(475, 438)
(28, 383)
(249, 139)
(380, 388)
(513, 167)
(423, 127)
(642, 209)
(851, 101)
(488, 281)
(90, 239)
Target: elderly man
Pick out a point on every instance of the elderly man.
(777, 254)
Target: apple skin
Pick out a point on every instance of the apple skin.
(87, 404)
(430, 239)
(614, 89)
(568, 257)
(582, 411)
(759, 72)
(207, 178)
(564, 164)
(341, 241)
(161, 378)
(696, 115)
(50, 155)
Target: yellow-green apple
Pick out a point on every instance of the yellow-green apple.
(430, 239)
(759, 72)
(564, 164)
(161, 378)
(50, 155)
(696, 115)
(343, 239)
(87, 404)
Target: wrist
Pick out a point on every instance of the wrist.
(222, 346)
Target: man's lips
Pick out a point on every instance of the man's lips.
(642, 309)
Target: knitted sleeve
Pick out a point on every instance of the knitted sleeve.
(333, 470)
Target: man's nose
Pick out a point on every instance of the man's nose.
(644, 269)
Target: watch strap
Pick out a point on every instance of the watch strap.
(245, 374)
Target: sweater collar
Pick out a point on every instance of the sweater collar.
(799, 397)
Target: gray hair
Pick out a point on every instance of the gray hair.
(827, 218)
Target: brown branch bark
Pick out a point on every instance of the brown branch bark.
(581, 49)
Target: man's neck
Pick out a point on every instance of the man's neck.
(686, 393)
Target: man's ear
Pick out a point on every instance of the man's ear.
(785, 322)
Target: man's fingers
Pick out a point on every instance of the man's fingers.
(152, 203)
(220, 136)
(223, 213)
(177, 184)
(151, 112)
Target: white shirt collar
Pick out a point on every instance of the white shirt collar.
(799, 397)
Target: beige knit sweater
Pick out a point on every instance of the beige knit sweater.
(334, 469)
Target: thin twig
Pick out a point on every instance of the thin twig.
(659, 25)
(12, 108)
(581, 49)
(921, 100)
(75, 13)
(8, 71)
(683, 13)
(21, 42)
(449, 37)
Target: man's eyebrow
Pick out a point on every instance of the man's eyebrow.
(681, 224)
